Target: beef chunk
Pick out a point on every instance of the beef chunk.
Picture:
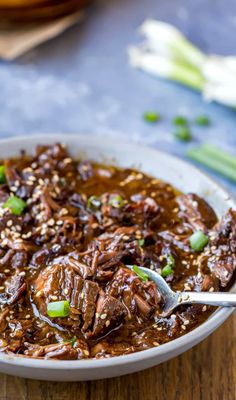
(222, 258)
(15, 289)
(110, 313)
(91, 309)
(140, 298)
(65, 284)
(196, 211)
(71, 350)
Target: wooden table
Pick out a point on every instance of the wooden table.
(207, 372)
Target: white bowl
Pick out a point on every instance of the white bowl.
(173, 170)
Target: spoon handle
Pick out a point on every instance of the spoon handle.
(210, 298)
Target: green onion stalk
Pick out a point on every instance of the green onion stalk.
(168, 54)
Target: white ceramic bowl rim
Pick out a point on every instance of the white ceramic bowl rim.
(210, 324)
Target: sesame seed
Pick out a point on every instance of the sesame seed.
(54, 297)
(204, 308)
(86, 352)
(126, 237)
(156, 344)
(183, 327)
(95, 225)
(66, 291)
(22, 273)
(103, 316)
(9, 223)
(107, 323)
(82, 295)
(51, 222)
(186, 322)
(97, 315)
(6, 271)
(39, 293)
(13, 188)
(211, 289)
(59, 222)
(2, 287)
(63, 211)
(28, 316)
(67, 160)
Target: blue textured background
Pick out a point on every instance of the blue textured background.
(81, 81)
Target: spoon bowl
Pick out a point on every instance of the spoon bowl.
(171, 300)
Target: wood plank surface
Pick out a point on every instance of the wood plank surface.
(206, 372)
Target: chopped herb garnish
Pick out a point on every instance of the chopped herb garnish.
(198, 241)
(116, 201)
(183, 134)
(202, 120)
(94, 203)
(58, 309)
(142, 275)
(141, 242)
(170, 260)
(151, 117)
(2, 174)
(15, 204)
(216, 159)
(180, 121)
(166, 271)
(73, 341)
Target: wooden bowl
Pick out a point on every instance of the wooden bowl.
(30, 10)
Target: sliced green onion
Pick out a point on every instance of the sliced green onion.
(140, 273)
(2, 174)
(218, 164)
(15, 204)
(179, 120)
(116, 201)
(166, 271)
(58, 309)
(198, 241)
(219, 154)
(141, 242)
(202, 120)
(151, 117)
(94, 202)
(183, 134)
(73, 341)
(170, 261)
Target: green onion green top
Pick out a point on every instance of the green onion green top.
(58, 309)
(198, 241)
(151, 117)
(73, 341)
(15, 204)
(202, 120)
(141, 242)
(171, 260)
(116, 201)
(93, 203)
(166, 271)
(183, 134)
(2, 174)
(179, 120)
(140, 273)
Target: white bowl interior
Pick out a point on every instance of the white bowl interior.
(184, 177)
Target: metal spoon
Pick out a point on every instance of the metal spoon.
(171, 299)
